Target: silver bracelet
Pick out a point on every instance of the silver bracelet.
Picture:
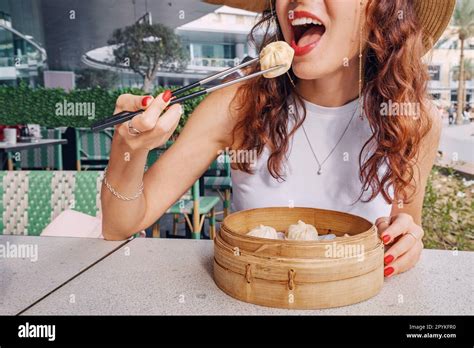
(119, 195)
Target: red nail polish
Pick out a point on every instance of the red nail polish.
(386, 239)
(167, 96)
(388, 259)
(145, 100)
(387, 271)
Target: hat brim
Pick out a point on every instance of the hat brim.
(249, 5)
(433, 15)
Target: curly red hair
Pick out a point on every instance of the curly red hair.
(393, 73)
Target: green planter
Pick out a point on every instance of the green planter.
(58, 108)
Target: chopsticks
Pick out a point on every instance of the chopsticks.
(128, 115)
(213, 77)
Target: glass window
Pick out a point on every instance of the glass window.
(434, 71)
(204, 50)
(454, 96)
(229, 51)
(208, 51)
(6, 47)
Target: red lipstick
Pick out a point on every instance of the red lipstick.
(301, 51)
(305, 49)
(303, 14)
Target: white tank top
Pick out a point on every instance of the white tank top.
(337, 188)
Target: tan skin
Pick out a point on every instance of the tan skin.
(209, 129)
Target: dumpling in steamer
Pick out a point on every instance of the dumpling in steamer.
(276, 53)
(263, 231)
(302, 231)
(281, 235)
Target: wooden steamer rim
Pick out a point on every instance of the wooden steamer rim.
(276, 269)
(235, 226)
(297, 274)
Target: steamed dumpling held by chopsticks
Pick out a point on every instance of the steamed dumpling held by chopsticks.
(302, 231)
(276, 53)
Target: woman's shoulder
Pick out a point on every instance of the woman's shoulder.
(435, 116)
(219, 112)
(430, 141)
(223, 101)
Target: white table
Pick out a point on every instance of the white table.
(159, 276)
(23, 281)
(8, 147)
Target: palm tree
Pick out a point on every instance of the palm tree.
(463, 19)
(468, 71)
(468, 75)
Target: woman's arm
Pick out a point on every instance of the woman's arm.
(206, 132)
(402, 232)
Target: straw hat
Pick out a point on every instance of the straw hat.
(434, 15)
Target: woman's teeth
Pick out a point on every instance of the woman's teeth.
(304, 21)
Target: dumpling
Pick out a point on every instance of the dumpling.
(276, 53)
(302, 231)
(263, 232)
(281, 235)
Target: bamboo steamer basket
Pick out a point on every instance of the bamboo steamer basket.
(298, 274)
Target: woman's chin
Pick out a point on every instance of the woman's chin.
(307, 71)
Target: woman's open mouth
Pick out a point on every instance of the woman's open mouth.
(307, 31)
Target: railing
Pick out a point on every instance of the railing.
(205, 63)
(212, 64)
(18, 62)
(28, 39)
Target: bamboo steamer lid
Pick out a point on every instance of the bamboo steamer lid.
(298, 274)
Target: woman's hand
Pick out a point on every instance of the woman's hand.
(403, 237)
(147, 130)
(123, 198)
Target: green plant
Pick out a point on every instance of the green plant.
(448, 211)
(21, 105)
(468, 70)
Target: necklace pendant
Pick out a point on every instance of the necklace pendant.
(320, 171)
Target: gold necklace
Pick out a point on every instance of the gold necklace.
(320, 164)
